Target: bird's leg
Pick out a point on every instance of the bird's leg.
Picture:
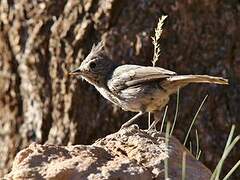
(129, 122)
(149, 120)
(157, 118)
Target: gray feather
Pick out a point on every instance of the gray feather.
(130, 75)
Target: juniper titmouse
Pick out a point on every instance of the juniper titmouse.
(132, 87)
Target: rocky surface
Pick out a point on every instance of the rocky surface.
(125, 155)
(40, 42)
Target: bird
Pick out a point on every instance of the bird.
(132, 87)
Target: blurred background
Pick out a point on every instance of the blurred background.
(40, 41)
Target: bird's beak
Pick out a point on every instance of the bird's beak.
(75, 72)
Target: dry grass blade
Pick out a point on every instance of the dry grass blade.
(156, 53)
(156, 38)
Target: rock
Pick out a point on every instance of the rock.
(41, 42)
(128, 154)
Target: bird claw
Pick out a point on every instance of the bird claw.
(152, 128)
(123, 126)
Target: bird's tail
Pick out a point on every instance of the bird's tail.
(198, 79)
(175, 82)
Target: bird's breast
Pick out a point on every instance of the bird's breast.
(145, 98)
(108, 95)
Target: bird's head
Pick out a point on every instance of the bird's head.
(96, 67)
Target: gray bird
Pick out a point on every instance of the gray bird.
(132, 87)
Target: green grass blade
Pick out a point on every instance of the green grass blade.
(224, 156)
(219, 165)
(166, 142)
(232, 170)
(176, 113)
(230, 137)
(194, 119)
(184, 165)
(163, 120)
(197, 143)
(199, 155)
(190, 147)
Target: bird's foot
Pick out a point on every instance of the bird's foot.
(152, 128)
(129, 122)
(125, 125)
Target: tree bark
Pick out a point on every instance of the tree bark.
(42, 41)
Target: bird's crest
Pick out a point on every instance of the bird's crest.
(97, 49)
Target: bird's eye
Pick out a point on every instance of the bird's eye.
(92, 65)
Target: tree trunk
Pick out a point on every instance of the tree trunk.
(42, 41)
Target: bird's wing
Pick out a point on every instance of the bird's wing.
(130, 75)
